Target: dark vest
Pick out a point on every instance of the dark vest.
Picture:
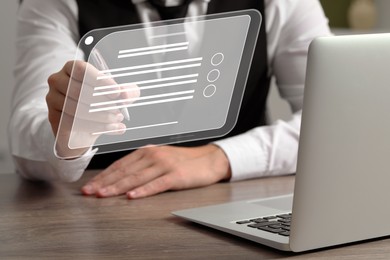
(95, 14)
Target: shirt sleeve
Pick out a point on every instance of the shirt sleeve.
(272, 150)
(46, 39)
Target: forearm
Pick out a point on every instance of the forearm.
(46, 39)
(264, 151)
(31, 144)
(55, 171)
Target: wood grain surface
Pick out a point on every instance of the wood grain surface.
(41, 220)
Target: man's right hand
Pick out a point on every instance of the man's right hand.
(66, 86)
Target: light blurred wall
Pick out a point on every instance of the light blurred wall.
(336, 11)
(8, 11)
(383, 9)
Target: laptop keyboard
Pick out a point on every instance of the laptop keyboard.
(278, 224)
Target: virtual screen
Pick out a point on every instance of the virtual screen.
(159, 83)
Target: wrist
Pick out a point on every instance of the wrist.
(221, 163)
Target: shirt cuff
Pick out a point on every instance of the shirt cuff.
(54, 169)
(72, 170)
(247, 158)
(66, 170)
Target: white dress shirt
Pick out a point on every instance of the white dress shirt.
(47, 38)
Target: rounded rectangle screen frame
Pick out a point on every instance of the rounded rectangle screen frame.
(238, 92)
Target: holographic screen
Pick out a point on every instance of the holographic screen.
(158, 83)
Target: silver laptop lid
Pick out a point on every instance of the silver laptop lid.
(343, 177)
(343, 180)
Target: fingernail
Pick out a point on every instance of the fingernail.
(115, 118)
(132, 194)
(106, 192)
(103, 191)
(87, 189)
(113, 127)
(120, 117)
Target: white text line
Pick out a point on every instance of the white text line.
(141, 104)
(129, 100)
(154, 47)
(146, 82)
(152, 52)
(166, 35)
(123, 90)
(149, 71)
(151, 65)
(135, 128)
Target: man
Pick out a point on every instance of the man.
(47, 39)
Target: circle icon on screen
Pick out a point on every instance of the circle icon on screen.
(213, 75)
(209, 91)
(217, 59)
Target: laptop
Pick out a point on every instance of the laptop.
(342, 185)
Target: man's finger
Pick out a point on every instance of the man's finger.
(130, 182)
(156, 186)
(127, 165)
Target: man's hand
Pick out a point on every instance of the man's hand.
(154, 169)
(65, 87)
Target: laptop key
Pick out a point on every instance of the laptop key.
(243, 222)
(256, 225)
(258, 220)
(263, 224)
(284, 233)
(286, 228)
(287, 224)
(272, 230)
(284, 216)
(276, 226)
(284, 220)
(270, 217)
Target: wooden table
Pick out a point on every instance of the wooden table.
(54, 221)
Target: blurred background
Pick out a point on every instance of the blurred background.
(345, 17)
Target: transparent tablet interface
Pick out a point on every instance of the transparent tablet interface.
(155, 81)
